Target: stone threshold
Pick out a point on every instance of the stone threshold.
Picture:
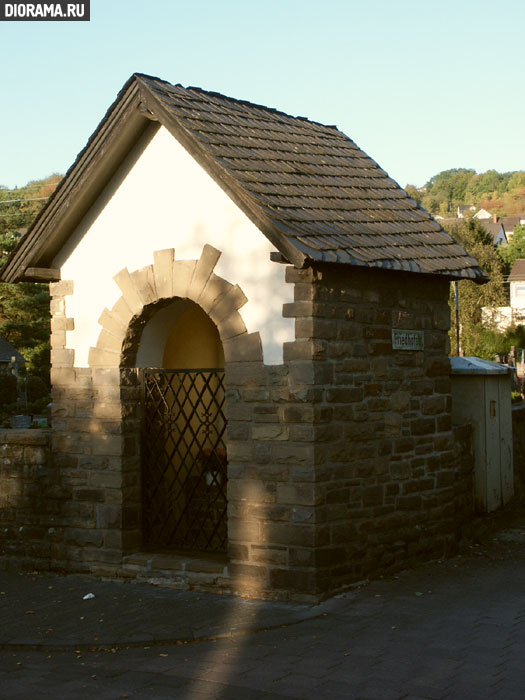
(185, 571)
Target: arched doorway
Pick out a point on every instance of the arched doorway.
(184, 469)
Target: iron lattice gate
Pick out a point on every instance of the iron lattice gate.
(184, 460)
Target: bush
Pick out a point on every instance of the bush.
(8, 388)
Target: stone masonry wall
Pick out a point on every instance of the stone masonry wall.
(387, 486)
(343, 461)
(30, 498)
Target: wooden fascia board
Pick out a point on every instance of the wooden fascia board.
(222, 177)
(122, 125)
(41, 274)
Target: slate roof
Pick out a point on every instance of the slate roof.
(493, 229)
(7, 351)
(307, 186)
(517, 274)
(510, 222)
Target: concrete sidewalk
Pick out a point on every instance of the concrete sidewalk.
(452, 630)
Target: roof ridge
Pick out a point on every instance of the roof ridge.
(246, 103)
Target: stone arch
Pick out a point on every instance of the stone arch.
(158, 284)
(113, 359)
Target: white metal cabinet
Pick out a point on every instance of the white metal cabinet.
(481, 395)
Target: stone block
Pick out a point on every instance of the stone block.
(251, 491)
(443, 423)
(203, 269)
(108, 341)
(129, 291)
(295, 534)
(107, 444)
(268, 554)
(163, 272)
(231, 326)
(301, 557)
(62, 323)
(244, 348)
(304, 350)
(412, 502)
(108, 516)
(269, 511)
(214, 289)
(57, 307)
(244, 374)
(372, 495)
(304, 292)
(61, 289)
(122, 312)
(270, 432)
(297, 494)
(232, 301)
(400, 470)
(244, 530)
(423, 426)
(113, 324)
(58, 339)
(299, 413)
(299, 309)
(289, 453)
(303, 372)
(182, 274)
(35, 455)
(393, 425)
(256, 394)
(144, 283)
(90, 495)
(432, 405)
(98, 357)
(106, 376)
(62, 357)
(300, 276)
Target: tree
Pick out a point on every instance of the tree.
(514, 250)
(502, 193)
(24, 307)
(447, 189)
(474, 238)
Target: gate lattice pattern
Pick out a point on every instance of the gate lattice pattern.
(184, 466)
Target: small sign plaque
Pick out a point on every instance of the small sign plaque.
(407, 340)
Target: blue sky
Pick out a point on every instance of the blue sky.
(420, 86)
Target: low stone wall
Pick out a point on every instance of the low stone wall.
(29, 498)
(518, 449)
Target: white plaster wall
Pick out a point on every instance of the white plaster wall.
(517, 295)
(161, 198)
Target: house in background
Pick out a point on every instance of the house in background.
(464, 209)
(250, 374)
(509, 223)
(482, 215)
(517, 291)
(505, 316)
(10, 359)
(496, 231)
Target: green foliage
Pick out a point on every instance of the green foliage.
(476, 338)
(500, 193)
(514, 250)
(449, 186)
(24, 307)
(8, 388)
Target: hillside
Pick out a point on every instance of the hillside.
(499, 193)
